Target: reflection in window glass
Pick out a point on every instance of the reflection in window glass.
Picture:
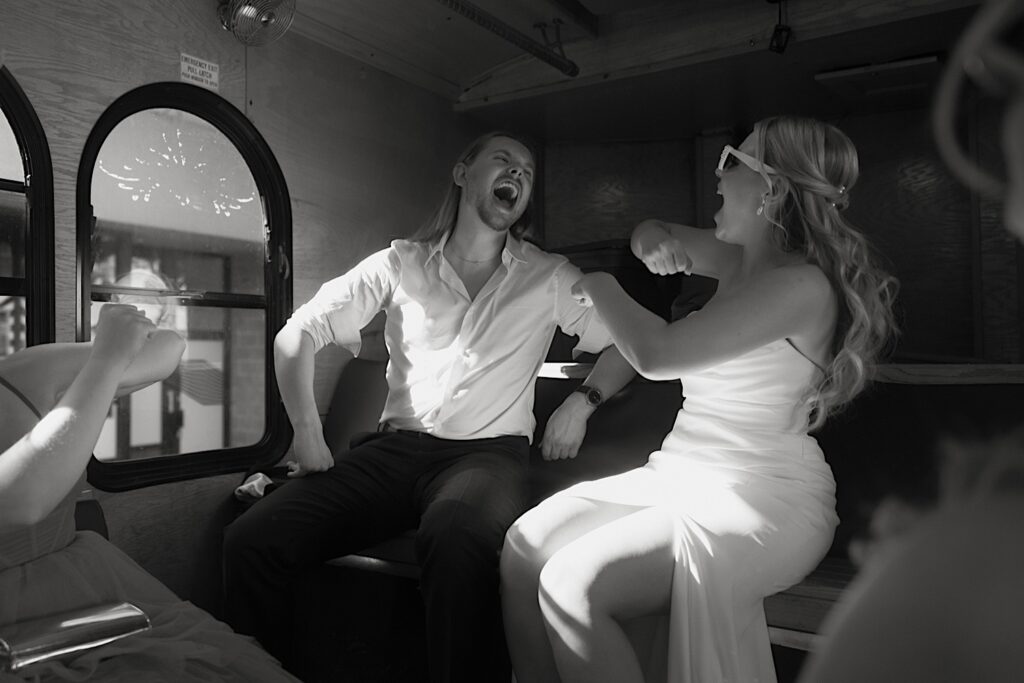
(13, 219)
(215, 399)
(165, 178)
(179, 233)
(12, 324)
(10, 154)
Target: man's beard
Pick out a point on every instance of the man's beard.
(493, 217)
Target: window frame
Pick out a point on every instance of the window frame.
(270, 182)
(37, 286)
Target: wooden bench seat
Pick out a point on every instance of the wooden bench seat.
(795, 615)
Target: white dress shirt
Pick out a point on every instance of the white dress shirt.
(458, 368)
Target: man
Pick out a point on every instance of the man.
(471, 310)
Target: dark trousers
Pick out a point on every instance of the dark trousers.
(461, 495)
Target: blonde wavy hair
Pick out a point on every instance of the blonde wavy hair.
(817, 167)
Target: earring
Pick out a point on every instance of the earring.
(760, 209)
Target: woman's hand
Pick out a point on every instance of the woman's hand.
(121, 333)
(663, 254)
(581, 291)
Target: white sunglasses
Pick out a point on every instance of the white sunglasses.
(752, 163)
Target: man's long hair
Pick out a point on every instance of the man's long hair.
(443, 219)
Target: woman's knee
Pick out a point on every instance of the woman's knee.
(521, 560)
(564, 586)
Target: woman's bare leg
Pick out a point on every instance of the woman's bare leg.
(619, 571)
(534, 538)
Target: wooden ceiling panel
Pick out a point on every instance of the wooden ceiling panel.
(645, 41)
(427, 43)
(741, 89)
(417, 40)
(430, 44)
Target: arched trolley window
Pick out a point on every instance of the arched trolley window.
(26, 223)
(183, 211)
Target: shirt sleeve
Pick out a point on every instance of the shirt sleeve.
(346, 304)
(577, 320)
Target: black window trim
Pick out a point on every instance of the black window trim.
(38, 285)
(214, 109)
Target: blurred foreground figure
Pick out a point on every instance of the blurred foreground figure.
(940, 595)
(54, 399)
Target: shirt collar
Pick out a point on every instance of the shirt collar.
(514, 248)
(437, 246)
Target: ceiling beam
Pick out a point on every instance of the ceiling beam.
(503, 30)
(376, 56)
(665, 37)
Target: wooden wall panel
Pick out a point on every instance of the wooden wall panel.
(74, 59)
(600, 191)
(920, 218)
(366, 156)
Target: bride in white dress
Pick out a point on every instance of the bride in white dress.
(739, 502)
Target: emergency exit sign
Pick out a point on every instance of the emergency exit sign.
(199, 71)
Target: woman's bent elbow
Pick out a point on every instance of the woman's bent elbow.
(650, 366)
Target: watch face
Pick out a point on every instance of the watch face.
(592, 395)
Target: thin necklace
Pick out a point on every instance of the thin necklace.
(469, 260)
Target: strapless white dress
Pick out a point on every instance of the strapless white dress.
(753, 502)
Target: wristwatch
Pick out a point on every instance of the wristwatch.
(593, 396)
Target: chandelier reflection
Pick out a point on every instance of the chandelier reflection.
(189, 172)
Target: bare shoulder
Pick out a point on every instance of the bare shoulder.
(804, 281)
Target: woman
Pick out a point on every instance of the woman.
(739, 502)
(53, 400)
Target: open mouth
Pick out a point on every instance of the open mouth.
(506, 192)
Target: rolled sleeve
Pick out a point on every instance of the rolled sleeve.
(577, 320)
(345, 305)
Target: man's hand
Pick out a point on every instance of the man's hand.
(311, 452)
(566, 428)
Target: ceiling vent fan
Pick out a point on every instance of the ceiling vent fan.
(256, 22)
